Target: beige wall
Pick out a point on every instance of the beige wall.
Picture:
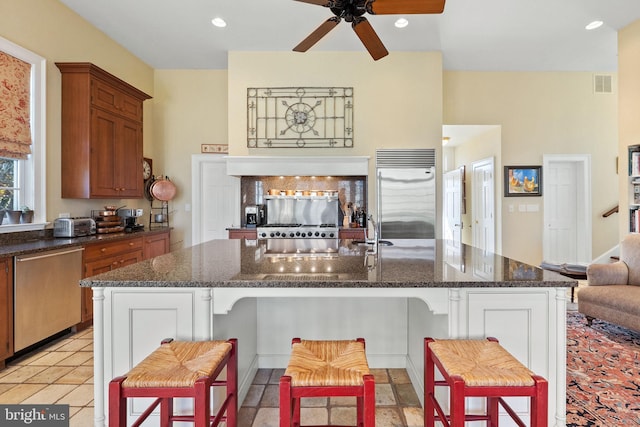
(399, 102)
(542, 113)
(629, 106)
(51, 30)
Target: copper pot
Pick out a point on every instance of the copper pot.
(290, 192)
(163, 189)
(273, 192)
(306, 193)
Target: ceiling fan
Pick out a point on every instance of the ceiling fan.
(352, 11)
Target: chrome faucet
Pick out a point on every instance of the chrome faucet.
(372, 240)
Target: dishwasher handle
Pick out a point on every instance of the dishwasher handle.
(35, 257)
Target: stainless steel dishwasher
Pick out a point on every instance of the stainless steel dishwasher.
(46, 294)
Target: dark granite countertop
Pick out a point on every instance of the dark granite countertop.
(33, 243)
(239, 263)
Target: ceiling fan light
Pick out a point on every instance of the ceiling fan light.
(593, 25)
(219, 22)
(401, 23)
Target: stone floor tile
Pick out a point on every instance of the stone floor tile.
(5, 387)
(82, 418)
(314, 416)
(20, 392)
(79, 375)
(344, 416)
(253, 395)
(245, 416)
(275, 376)
(399, 376)
(414, 416)
(267, 417)
(49, 375)
(313, 402)
(270, 397)
(8, 369)
(342, 401)
(262, 376)
(380, 376)
(384, 395)
(407, 395)
(75, 345)
(388, 417)
(22, 374)
(89, 362)
(78, 396)
(52, 358)
(76, 359)
(50, 394)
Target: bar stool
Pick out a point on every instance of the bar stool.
(479, 368)
(324, 369)
(180, 369)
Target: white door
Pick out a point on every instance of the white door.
(483, 202)
(216, 198)
(567, 230)
(452, 217)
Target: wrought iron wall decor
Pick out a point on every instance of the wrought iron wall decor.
(303, 117)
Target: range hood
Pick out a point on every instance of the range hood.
(297, 165)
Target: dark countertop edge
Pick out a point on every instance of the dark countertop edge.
(47, 244)
(322, 284)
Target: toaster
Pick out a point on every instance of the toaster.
(73, 227)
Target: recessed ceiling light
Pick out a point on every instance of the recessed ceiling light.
(219, 22)
(593, 25)
(401, 23)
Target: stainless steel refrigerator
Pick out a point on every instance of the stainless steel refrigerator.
(406, 193)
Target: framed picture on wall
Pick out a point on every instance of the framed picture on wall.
(520, 181)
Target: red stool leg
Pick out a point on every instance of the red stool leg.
(166, 412)
(429, 385)
(285, 401)
(117, 404)
(457, 403)
(201, 410)
(232, 384)
(539, 403)
(369, 406)
(492, 411)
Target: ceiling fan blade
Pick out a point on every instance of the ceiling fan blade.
(369, 38)
(319, 33)
(325, 3)
(404, 7)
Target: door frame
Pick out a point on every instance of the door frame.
(584, 240)
(476, 197)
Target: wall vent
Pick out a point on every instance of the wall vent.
(406, 158)
(602, 83)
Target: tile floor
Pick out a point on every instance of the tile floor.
(62, 372)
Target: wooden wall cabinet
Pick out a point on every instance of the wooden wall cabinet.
(6, 309)
(101, 134)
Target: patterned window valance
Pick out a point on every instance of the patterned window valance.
(15, 127)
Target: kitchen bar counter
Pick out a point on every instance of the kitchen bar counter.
(407, 263)
(264, 293)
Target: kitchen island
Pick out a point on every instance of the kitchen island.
(265, 292)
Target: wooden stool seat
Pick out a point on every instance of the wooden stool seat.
(324, 369)
(479, 368)
(179, 369)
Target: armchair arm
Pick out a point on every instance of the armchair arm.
(616, 273)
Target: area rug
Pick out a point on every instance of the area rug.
(603, 374)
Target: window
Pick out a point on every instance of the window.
(22, 182)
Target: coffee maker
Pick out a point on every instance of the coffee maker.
(255, 215)
(130, 219)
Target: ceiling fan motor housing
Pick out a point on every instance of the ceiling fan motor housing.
(348, 9)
